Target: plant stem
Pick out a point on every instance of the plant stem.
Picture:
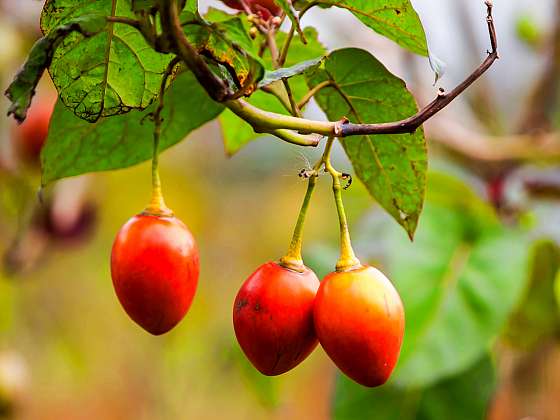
(293, 259)
(305, 100)
(295, 109)
(286, 47)
(347, 260)
(157, 206)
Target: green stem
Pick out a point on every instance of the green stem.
(347, 260)
(293, 259)
(294, 107)
(157, 206)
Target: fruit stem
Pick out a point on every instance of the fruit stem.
(293, 259)
(157, 206)
(347, 260)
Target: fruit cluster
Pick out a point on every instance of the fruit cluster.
(282, 311)
(357, 316)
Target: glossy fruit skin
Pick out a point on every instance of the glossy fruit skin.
(155, 268)
(264, 8)
(273, 317)
(359, 320)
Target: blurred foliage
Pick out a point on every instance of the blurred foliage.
(528, 31)
(537, 318)
(464, 396)
(459, 281)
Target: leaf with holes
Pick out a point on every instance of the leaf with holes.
(224, 40)
(75, 146)
(394, 19)
(22, 89)
(459, 282)
(392, 167)
(107, 74)
(444, 400)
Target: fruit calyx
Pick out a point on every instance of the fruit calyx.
(292, 263)
(348, 263)
(157, 206)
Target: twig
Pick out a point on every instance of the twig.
(411, 124)
(273, 121)
(215, 86)
(286, 47)
(543, 98)
(304, 101)
(478, 147)
(295, 109)
(127, 21)
(292, 137)
(273, 48)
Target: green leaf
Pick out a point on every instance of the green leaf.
(537, 318)
(394, 19)
(236, 132)
(459, 282)
(392, 167)
(75, 146)
(464, 396)
(106, 74)
(225, 40)
(22, 89)
(287, 72)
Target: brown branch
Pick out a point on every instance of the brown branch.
(264, 120)
(127, 21)
(543, 99)
(411, 124)
(286, 47)
(479, 147)
(216, 87)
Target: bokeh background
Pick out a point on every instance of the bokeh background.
(68, 350)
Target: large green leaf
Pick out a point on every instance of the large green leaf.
(394, 19)
(236, 132)
(22, 89)
(75, 146)
(464, 396)
(392, 167)
(459, 282)
(107, 74)
(537, 318)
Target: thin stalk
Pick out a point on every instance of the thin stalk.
(157, 206)
(347, 260)
(312, 92)
(293, 259)
(286, 47)
(296, 112)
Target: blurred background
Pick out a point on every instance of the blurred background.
(68, 350)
